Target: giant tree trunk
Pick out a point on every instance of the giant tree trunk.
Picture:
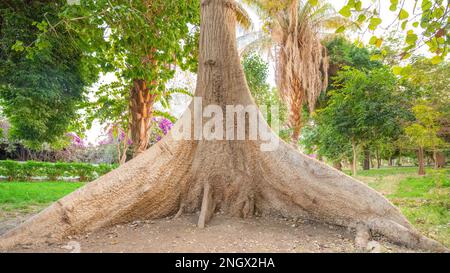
(234, 177)
(141, 107)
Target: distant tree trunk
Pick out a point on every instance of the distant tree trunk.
(366, 164)
(122, 148)
(420, 157)
(440, 159)
(141, 108)
(355, 157)
(337, 165)
(377, 154)
(390, 163)
(435, 159)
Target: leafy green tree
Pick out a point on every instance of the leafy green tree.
(256, 71)
(322, 138)
(423, 133)
(362, 108)
(428, 82)
(43, 78)
(142, 42)
(343, 53)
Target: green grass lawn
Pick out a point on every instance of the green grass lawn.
(28, 197)
(424, 200)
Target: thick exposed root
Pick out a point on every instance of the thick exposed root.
(299, 185)
(144, 188)
(207, 209)
(285, 183)
(362, 237)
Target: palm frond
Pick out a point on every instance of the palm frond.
(261, 42)
(242, 17)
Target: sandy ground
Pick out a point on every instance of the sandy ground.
(223, 234)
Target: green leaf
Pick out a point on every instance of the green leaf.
(394, 4)
(345, 11)
(397, 70)
(358, 5)
(403, 14)
(378, 43)
(361, 18)
(415, 24)
(18, 46)
(426, 5)
(411, 38)
(404, 25)
(313, 2)
(436, 59)
(340, 29)
(376, 57)
(406, 55)
(374, 22)
(373, 40)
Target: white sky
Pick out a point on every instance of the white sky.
(188, 80)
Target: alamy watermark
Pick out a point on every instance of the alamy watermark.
(230, 122)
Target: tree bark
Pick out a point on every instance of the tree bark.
(355, 158)
(141, 107)
(337, 165)
(231, 176)
(377, 154)
(420, 158)
(366, 164)
(435, 159)
(440, 159)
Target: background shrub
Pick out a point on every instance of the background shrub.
(29, 170)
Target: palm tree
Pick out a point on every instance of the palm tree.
(292, 30)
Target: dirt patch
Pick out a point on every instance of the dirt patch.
(9, 220)
(223, 234)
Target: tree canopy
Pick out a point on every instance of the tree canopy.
(43, 78)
